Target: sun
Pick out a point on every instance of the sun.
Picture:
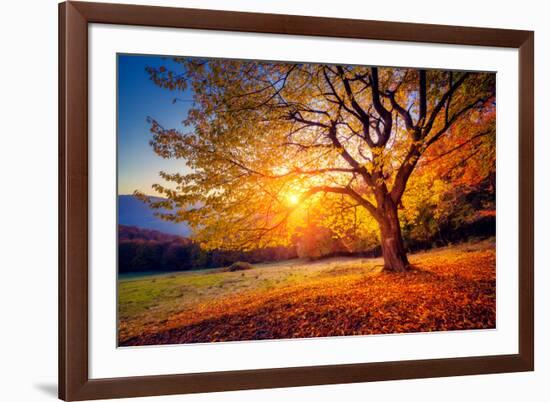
(293, 199)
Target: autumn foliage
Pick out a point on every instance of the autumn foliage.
(370, 166)
(448, 289)
(276, 148)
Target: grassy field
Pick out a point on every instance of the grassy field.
(449, 288)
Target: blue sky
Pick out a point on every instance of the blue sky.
(138, 98)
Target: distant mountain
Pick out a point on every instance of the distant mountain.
(133, 212)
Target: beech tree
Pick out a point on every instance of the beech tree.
(268, 143)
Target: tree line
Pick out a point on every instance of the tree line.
(143, 250)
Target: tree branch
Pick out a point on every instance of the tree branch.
(346, 191)
(384, 114)
(422, 96)
(334, 93)
(401, 110)
(457, 147)
(455, 117)
(348, 158)
(446, 97)
(363, 116)
(404, 172)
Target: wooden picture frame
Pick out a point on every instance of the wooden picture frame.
(74, 381)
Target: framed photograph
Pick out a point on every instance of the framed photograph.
(258, 201)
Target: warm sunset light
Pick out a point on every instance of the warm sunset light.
(293, 199)
(317, 181)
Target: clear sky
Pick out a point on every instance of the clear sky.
(138, 98)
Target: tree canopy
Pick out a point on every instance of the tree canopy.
(277, 148)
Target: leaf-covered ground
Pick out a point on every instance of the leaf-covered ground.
(451, 288)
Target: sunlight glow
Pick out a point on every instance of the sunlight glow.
(293, 199)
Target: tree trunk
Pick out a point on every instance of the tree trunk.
(393, 250)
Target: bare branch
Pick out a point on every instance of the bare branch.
(384, 114)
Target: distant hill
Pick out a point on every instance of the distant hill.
(133, 212)
(140, 234)
(146, 250)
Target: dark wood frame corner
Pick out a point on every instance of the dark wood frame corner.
(74, 382)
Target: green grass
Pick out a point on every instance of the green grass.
(153, 298)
